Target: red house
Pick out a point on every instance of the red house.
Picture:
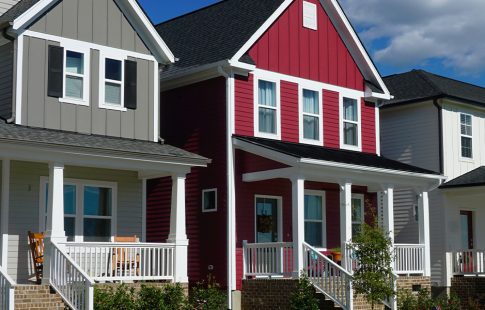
(282, 96)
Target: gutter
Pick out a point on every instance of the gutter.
(440, 132)
(5, 27)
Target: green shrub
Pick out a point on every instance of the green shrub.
(108, 298)
(207, 295)
(406, 300)
(304, 296)
(173, 298)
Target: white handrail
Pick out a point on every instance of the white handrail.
(409, 258)
(70, 281)
(7, 289)
(123, 261)
(468, 262)
(267, 259)
(328, 277)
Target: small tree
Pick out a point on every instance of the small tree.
(304, 296)
(373, 276)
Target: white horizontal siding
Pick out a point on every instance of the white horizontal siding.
(5, 5)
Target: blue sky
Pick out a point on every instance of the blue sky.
(441, 36)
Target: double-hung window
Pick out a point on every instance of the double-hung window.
(267, 113)
(351, 122)
(74, 75)
(357, 214)
(311, 117)
(315, 227)
(466, 135)
(113, 82)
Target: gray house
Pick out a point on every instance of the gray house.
(79, 138)
(438, 124)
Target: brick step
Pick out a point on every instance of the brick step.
(37, 297)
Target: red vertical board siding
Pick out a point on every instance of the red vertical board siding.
(205, 135)
(331, 131)
(244, 105)
(289, 112)
(284, 40)
(368, 127)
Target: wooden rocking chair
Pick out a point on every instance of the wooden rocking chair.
(36, 242)
(125, 261)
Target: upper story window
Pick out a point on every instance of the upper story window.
(113, 84)
(311, 127)
(351, 123)
(74, 75)
(310, 15)
(267, 112)
(466, 135)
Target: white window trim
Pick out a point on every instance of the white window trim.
(208, 191)
(362, 206)
(257, 133)
(344, 146)
(80, 184)
(310, 87)
(462, 158)
(279, 200)
(310, 24)
(103, 55)
(324, 216)
(86, 52)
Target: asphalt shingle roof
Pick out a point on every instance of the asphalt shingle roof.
(18, 9)
(214, 33)
(16, 133)
(418, 85)
(473, 178)
(299, 150)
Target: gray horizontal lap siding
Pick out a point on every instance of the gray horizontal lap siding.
(6, 79)
(24, 207)
(39, 110)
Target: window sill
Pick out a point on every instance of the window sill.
(311, 142)
(74, 101)
(267, 135)
(467, 160)
(209, 211)
(351, 147)
(108, 106)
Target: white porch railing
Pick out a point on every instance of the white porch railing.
(328, 277)
(268, 259)
(409, 258)
(110, 261)
(70, 281)
(7, 287)
(467, 262)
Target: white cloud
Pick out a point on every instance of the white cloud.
(417, 31)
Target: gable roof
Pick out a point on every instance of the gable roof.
(420, 85)
(471, 179)
(25, 12)
(227, 29)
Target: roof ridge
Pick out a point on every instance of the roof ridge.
(453, 80)
(422, 74)
(192, 12)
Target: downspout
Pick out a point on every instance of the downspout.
(440, 132)
(11, 38)
(231, 199)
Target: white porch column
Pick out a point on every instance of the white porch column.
(55, 215)
(178, 234)
(424, 237)
(345, 220)
(5, 194)
(388, 212)
(298, 223)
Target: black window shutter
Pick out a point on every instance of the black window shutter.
(130, 84)
(55, 77)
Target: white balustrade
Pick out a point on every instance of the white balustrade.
(328, 277)
(7, 287)
(70, 281)
(409, 258)
(111, 261)
(467, 262)
(268, 259)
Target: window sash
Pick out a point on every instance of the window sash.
(117, 101)
(466, 133)
(80, 76)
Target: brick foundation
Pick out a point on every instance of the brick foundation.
(468, 289)
(267, 294)
(414, 283)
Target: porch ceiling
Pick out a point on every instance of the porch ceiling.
(315, 163)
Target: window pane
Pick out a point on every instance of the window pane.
(97, 230)
(466, 147)
(69, 227)
(74, 87)
(350, 110)
(356, 228)
(313, 234)
(267, 93)
(113, 69)
(266, 220)
(113, 93)
(350, 134)
(310, 102)
(74, 62)
(70, 199)
(357, 215)
(209, 200)
(97, 201)
(313, 207)
(267, 120)
(311, 127)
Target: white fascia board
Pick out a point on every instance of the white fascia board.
(32, 13)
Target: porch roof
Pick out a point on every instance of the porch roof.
(471, 179)
(10, 133)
